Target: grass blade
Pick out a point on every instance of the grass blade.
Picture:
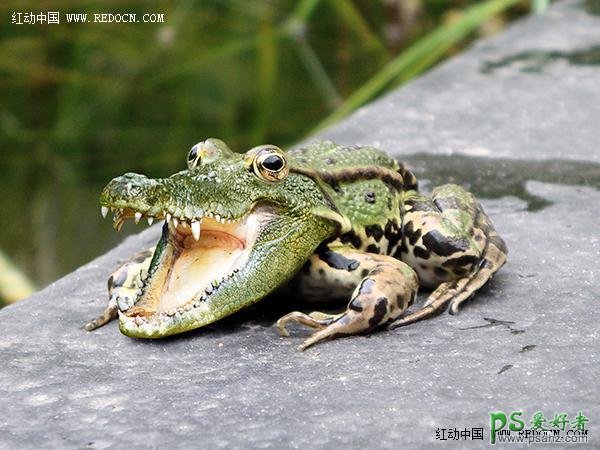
(419, 56)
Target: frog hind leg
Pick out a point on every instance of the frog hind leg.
(388, 287)
(486, 253)
(123, 288)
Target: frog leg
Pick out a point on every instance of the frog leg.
(123, 287)
(384, 288)
(453, 245)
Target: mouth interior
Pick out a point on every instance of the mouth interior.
(190, 269)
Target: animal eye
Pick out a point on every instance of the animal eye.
(269, 163)
(193, 156)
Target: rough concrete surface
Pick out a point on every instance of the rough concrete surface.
(516, 119)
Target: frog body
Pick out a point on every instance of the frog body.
(324, 221)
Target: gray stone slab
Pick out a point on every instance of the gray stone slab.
(509, 125)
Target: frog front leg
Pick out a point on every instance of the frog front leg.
(384, 288)
(123, 287)
(453, 246)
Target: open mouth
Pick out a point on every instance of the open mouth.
(194, 260)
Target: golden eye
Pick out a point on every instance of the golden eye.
(269, 163)
(194, 156)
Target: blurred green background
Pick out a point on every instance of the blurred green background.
(83, 102)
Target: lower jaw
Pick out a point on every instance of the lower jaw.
(188, 273)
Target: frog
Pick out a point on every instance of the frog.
(320, 222)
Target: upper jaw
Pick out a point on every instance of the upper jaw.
(135, 196)
(173, 216)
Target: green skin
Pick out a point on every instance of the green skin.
(332, 222)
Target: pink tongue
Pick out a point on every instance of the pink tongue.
(214, 239)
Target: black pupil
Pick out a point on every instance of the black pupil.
(273, 163)
(193, 153)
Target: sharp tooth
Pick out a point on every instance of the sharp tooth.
(150, 220)
(137, 217)
(217, 218)
(228, 220)
(168, 217)
(196, 229)
(175, 221)
(103, 211)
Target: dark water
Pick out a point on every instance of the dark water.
(535, 61)
(499, 177)
(592, 7)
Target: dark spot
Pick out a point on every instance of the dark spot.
(389, 202)
(440, 272)
(461, 261)
(459, 271)
(321, 271)
(443, 245)
(392, 233)
(352, 239)
(370, 197)
(402, 249)
(379, 312)
(527, 348)
(414, 237)
(355, 305)
(366, 286)
(372, 248)
(364, 273)
(374, 231)
(330, 161)
(421, 253)
(505, 368)
(404, 302)
(410, 233)
(478, 237)
(337, 260)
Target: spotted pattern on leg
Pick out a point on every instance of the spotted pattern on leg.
(473, 267)
(388, 288)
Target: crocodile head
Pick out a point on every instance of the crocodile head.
(236, 226)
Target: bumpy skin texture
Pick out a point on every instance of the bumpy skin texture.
(345, 222)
